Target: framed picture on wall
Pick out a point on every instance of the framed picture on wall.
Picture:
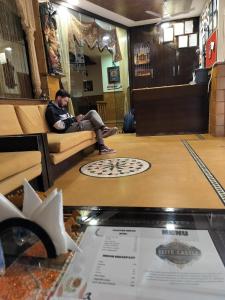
(113, 74)
(179, 28)
(193, 40)
(168, 35)
(88, 85)
(189, 27)
(183, 41)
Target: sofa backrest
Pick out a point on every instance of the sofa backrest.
(9, 124)
(31, 119)
(42, 110)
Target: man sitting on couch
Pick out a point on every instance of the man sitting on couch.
(60, 121)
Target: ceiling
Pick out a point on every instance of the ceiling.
(140, 12)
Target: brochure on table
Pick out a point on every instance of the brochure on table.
(127, 263)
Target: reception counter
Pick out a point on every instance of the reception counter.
(171, 109)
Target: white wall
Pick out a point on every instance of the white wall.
(106, 63)
(94, 73)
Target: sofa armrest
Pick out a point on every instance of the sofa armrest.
(25, 142)
(31, 142)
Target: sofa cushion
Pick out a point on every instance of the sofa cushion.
(42, 110)
(30, 119)
(15, 162)
(9, 124)
(15, 181)
(56, 158)
(62, 142)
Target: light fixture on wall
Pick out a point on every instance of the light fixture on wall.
(106, 38)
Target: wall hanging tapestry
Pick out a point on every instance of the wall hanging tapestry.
(94, 36)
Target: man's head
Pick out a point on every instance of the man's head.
(62, 98)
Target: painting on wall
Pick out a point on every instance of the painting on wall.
(88, 85)
(142, 59)
(49, 27)
(168, 35)
(113, 74)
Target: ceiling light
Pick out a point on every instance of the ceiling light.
(170, 226)
(105, 38)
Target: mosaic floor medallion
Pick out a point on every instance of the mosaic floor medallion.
(115, 167)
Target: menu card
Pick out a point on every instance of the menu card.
(128, 263)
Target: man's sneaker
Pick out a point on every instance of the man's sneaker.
(109, 131)
(106, 150)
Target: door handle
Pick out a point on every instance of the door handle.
(178, 70)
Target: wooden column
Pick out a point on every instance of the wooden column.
(217, 102)
(25, 9)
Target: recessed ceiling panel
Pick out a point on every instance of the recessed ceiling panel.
(133, 9)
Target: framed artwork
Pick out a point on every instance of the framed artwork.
(193, 40)
(183, 41)
(113, 74)
(142, 53)
(50, 33)
(88, 85)
(179, 28)
(168, 35)
(189, 27)
(143, 71)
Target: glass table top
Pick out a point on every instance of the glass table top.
(197, 238)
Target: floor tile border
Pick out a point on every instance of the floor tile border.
(220, 191)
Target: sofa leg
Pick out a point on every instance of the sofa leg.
(42, 183)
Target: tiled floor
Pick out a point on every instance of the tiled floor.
(174, 179)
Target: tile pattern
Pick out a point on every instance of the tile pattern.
(115, 167)
(208, 174)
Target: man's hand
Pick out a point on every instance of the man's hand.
(79, 118)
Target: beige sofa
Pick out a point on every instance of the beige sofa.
(59, 150)
(15, 166)
(61, 146)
